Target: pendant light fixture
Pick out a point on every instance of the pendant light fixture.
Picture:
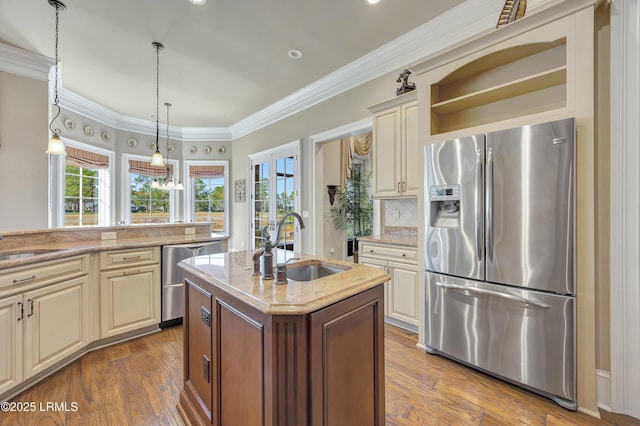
(56, 146)
(156, 158)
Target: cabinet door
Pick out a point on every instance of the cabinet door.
(129, 299)
(10, 342)
(386, 153)
(382, 264)
(403, 293)
(411, 155)
(198, 370)
(346, 353)
(56, 323)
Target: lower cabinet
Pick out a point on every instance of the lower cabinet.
(56, 325)
(129, 290)
(10, 342)
(41, 325)
(245, 367)
(401, 291)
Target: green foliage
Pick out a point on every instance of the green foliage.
(353, 207)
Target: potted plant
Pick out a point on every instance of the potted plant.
(353, 208)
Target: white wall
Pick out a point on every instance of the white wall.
(23, 162)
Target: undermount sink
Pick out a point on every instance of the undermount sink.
(312, 271)
(22, 255)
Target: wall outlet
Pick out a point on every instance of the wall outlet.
(189, 231)
(305, 213)
(108, 236)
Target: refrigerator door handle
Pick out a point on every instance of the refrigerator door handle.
(493, 293)
(489, 224)
(479, 241)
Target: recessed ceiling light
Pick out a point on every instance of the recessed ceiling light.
(295, 53)
(372, 2)
(198, 2)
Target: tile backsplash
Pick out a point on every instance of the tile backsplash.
(400, 212)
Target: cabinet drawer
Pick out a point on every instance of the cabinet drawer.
(398, 253)
(114, 259)
(45, 272)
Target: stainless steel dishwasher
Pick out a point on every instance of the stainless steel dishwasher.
(173, 279)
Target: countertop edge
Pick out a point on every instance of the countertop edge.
(378, 278)
(63, 250)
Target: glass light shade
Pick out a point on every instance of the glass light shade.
(171, 185)
(179, 186)
(156, 159)
(155, 184)
(56, 146)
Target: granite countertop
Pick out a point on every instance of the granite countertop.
(57, 250)
(232, 272)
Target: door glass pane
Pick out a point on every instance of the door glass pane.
(285, 181)
(261, 201)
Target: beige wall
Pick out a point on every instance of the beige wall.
(23, 162)
(343, 109)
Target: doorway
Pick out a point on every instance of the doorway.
(274, 186)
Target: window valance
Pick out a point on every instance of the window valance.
(206, 171)
(86, 159)
(145, 168)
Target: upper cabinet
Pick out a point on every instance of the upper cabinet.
(395, 147)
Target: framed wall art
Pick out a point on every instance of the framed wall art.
(240, 190)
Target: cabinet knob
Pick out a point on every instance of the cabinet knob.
(371, 251)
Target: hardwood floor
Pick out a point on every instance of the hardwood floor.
(137, 383)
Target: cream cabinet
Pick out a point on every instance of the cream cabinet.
(129, 290)
(43, 317)
(401, 291)
(396, 154)
(10, 342)
(55, 323)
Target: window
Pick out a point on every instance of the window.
(80, 187)
(208, 192)
(81, 196)
(147, 204)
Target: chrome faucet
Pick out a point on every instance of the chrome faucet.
(267, 246)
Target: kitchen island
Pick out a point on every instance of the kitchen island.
(303, 353)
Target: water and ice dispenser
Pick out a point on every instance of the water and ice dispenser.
(445, 206)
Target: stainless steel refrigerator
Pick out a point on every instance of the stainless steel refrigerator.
(499, 254)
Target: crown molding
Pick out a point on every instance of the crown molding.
(83, 106)
(472, 18)
(206, 134)
(24, 63)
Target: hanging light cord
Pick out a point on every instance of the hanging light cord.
(157, 45)
(56, 131)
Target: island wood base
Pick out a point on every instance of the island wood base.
(245, 367)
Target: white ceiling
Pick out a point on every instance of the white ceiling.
(222, 61)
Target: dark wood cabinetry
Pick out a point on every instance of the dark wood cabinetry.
(320, 368)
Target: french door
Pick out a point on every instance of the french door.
(274, 187)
